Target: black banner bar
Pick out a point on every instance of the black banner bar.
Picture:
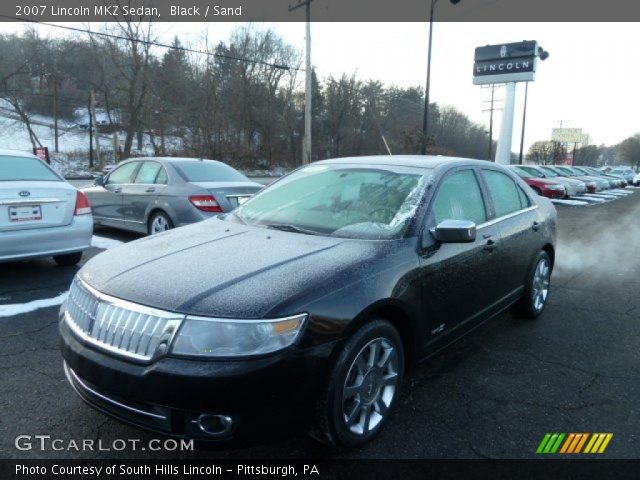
(320, 469)
(321, 11)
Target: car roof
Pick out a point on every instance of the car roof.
(5, 152)
(415, 161)
(174, 159)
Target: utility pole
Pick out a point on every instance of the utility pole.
(306, 154)
(425, 118)
(524, 121)
(55, 112)
(95, 122)
(491, 110)
(90, 131)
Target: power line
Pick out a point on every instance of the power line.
(156, 44)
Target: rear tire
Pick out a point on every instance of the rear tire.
(68, 259)
(159, 222)
(363, 387)
(536, 292)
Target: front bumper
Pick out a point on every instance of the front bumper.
(45, 242)
(263, 396)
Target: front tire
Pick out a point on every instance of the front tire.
(363, 387)
(159, 222)
(68, 259)
(536, 292)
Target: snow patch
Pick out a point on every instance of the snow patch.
(11, 309)
(104, 243)
(575, 203)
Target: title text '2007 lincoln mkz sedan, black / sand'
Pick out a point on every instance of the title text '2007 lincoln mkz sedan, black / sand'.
(307, 304)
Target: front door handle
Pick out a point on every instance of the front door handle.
(490, 246)
(535, 227)
(150, 190)
(117, 190)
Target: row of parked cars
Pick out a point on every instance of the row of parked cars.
(41, 215)
(562, 181)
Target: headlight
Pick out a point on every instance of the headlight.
(220, 337)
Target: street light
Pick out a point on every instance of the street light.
(543, 55)
(425, 119)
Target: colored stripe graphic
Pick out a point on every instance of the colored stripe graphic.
(574, 443)
(598, 443)
(550, 443)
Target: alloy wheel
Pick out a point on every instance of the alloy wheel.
(370, 386)
(541, 281)
(159, 224)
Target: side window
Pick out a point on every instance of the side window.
(148, 172)
(524, 199)
(122, 174)
(504, 191)
(162, 178)
(459, 198)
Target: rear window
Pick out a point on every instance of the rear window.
(208, 171)
(25, 168)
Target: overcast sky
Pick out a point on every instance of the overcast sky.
(590, 80)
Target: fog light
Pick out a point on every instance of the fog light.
(214, 425)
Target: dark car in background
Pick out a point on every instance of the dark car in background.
(152, 195)
(303, 308)
(540, 185)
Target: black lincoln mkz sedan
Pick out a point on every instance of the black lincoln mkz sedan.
(307, 304)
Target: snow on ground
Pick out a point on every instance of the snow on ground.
(575, 203)
(104, 242)
(11, 309)
(584, 198)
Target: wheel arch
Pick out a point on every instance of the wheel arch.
(397, 315)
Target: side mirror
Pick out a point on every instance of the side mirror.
(455, 231)
(99, 181)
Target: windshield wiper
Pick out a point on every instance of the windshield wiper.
(290, 228)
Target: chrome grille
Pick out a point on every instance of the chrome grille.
(124, 328)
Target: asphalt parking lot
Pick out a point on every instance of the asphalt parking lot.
(494, 394)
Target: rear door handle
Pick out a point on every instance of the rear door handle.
(490, 246)
(150, 190)
(535, 226)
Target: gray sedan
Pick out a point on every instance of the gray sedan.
(151, 195)
(41, 215)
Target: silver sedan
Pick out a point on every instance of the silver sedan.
(41, 215)
(151, 195)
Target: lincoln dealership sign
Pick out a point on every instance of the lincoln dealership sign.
(510, 62)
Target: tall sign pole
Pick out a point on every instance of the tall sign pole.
(508, 63)
(503, 151)
(306, 154)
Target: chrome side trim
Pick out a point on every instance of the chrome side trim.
(72, 377)
(505, 217)
(32, 201)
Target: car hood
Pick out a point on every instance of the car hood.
(568, 181)
(220, 268)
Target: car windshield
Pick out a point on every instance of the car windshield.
(339, 200)
(25, 168)
(549, 172)
(523, 173)
(208, 171)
